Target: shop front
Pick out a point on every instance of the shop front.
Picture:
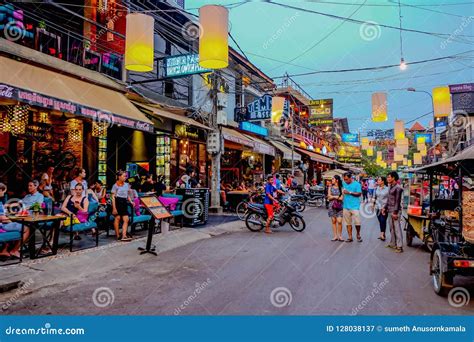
(50, 119)
(315, 164)
(180, 145)
(285, 155)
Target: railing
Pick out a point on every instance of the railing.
(289, 82)
(93, 52)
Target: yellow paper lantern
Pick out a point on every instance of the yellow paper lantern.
(417, 158)
(139, 47)
(409, 163)
(399, 132)
(379, 107)
(213, 42)
(278, 104)
(379, 155)
(370, 152)
(365, 143)
(441, 102)
(303, 145)
(405, 161)
(398, 157)
(394, 166)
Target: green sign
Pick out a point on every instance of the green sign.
(182, 65)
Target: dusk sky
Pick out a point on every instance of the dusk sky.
(279, 40)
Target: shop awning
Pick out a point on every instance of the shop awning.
(48, 89)
(316, 157)
(236, 137)
(286, 150)
(165, 114)
(261, 146)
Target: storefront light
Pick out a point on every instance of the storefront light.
(18, 118)
(99, 129)
(139, 42)
(213, 41)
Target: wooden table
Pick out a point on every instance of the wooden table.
(39, 222)
(234, 197)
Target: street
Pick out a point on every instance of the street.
(245, 273)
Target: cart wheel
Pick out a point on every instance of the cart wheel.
(409, 235)
(442, 280)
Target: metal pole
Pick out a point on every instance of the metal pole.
(216, 158)
(292, 142)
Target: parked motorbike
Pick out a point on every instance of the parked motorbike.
(256, 217)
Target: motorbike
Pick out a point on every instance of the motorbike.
(256, 217)
(315, 197)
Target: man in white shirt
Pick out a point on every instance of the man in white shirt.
(34, 196)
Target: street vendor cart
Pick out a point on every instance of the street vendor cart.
(451, 215)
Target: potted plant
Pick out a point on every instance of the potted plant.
(36, 208)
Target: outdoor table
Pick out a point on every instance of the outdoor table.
(39, 222)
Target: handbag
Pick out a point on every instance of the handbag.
(337, 205)
(67, 221)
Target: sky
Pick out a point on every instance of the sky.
(282, 40)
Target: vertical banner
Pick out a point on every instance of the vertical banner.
(379, 107)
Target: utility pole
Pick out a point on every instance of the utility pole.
(216, 157)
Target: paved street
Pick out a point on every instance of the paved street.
(235, 273)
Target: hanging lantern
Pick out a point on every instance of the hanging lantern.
(409, 163)
(379, 155)
(139, 47)
(399, 131)
(99, 129)
(379, 107)
(417, 158)
(441, 102)
(18, 118)
(394, 166)
(365, 143)
(74, 135)
(405, 161)
(398, 156)
(5, 123)
(213, 41)
(370, 152)
(278, 104)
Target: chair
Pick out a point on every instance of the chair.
(178, 212)
(11, 237)
(82, 227)
(143, 219)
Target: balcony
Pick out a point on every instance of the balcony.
(95, 52)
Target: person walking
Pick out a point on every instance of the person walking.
(371, 187)
(351, 205)
(379, 202)
(365, 189)
(121, 196)
(393, 209)
(334, 197)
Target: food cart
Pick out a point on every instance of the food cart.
(417, 221)
(451, 219)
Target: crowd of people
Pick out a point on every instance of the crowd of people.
(384, 194)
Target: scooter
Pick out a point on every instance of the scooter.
(256, 217)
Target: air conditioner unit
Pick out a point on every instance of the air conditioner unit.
(221, 117)
(222, 100)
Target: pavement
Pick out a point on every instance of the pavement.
(224, 269)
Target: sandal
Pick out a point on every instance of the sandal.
(126, 239)
(359, 239)
(335, 239)
(349, 240)
(269, 232)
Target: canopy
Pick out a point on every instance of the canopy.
(331, 173)
(48, 89)
(287, 153)
(261, 146)
(464, 158)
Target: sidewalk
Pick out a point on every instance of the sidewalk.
(67, 267)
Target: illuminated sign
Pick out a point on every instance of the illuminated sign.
(182, 65)
(423, 138)
(350, 137)
(250, 127)
(260, 109)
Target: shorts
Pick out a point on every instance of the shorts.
(11, 227)
(269, 208)
(121, 204)
(351, 216)
(371, 192)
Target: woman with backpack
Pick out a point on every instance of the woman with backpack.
(334, 198)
